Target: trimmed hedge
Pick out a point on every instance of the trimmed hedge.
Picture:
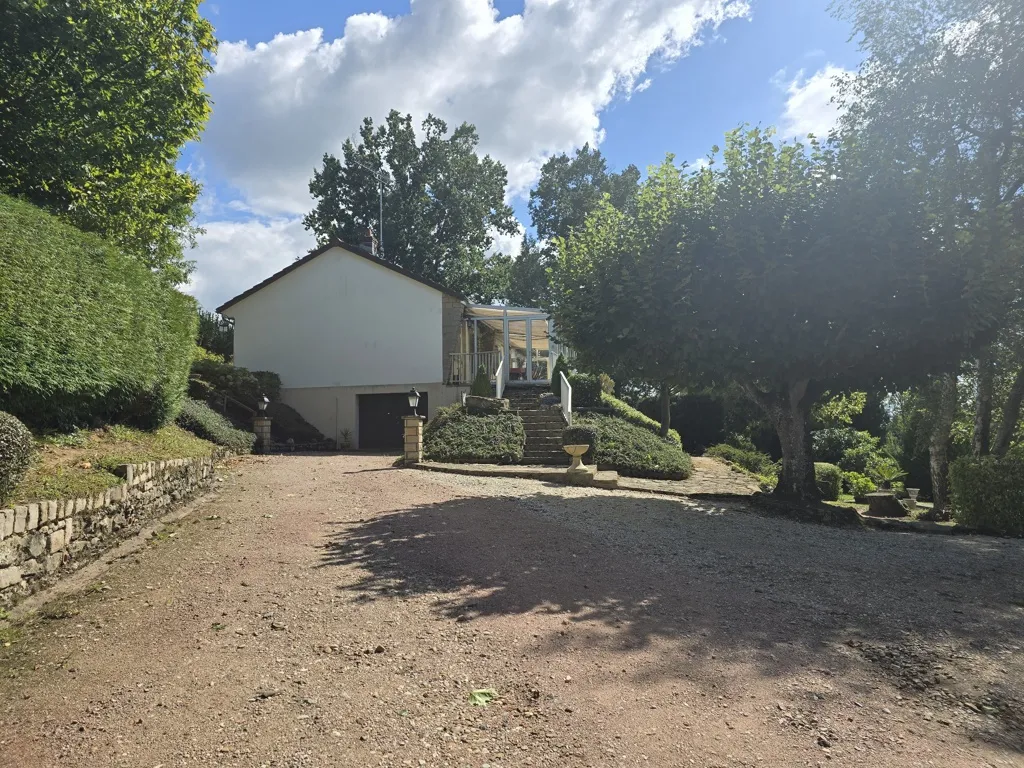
(634, 451)
(454, 435)
(754, 462)
(240, 383)
(556, 379)
(87, 334)
(625, 411)
(586, 390)
(202, 421)
(829, 479)
(579, 436)
(16, 447)
(988, 494)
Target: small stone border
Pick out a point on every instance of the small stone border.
(824, 514)
(41, 540)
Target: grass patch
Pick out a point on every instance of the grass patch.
(634, 450)
(454, 435)
(80, 463)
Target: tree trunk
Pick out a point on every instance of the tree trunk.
(938, 447)
(1011, 416)
(790, 413)
(983, 405)
(666, 410)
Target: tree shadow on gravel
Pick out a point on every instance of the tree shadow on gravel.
(712, 582)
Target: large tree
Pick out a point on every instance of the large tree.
(570, 188)
(96, 101)
(442, 201)
(940, 92)
(621, 282)
(790, 271)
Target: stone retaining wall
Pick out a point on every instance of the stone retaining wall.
(42, 540)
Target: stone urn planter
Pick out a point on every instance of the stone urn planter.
(577, 452)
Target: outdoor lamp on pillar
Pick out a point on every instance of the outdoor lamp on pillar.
(414, 400)
(263, 403)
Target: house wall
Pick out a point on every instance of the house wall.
(334, 409)
(341, 321)
(452, 332)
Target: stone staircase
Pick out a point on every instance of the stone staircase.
(543, 424)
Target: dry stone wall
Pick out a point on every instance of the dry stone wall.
(43, 540)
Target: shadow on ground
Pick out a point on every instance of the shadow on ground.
(772, 594)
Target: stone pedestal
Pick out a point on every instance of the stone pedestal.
(412, 426)
(884, 504)
(261, 426)
(581, 475)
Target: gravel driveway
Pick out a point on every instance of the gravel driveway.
(332, 611)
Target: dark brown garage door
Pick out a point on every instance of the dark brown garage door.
(380, 420)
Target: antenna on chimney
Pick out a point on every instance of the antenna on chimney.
(369, 243)
(379, 176)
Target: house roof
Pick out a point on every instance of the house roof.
(345, 247)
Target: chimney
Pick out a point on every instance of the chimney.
(369, 243)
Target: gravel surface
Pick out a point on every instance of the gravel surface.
(332, 611)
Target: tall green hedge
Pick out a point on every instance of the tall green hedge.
(988, 494)
(87, 334)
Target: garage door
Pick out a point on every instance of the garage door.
(380, 420)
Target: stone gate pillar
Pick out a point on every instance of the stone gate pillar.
(413, 429)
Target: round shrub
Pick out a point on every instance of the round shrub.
(829, 478)
(16, 446)
(858, 485)
(202, 421)
(579, 436)
(988, 494)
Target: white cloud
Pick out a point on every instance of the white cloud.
(809, 106)
(505, 243)
(534, 84)
(641, 87)
(234, 255)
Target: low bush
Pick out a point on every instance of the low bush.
(625, 411)
(580, 435)
(849, 449)
(829, 479)
(634, 451)
(752, 461)
(988, 494)
(885, 471)
(454, 435)
(607, 383)
(88, 335)
(858, 485)
(481, 386)
(202, 421)
(16, 447)
(586, 390)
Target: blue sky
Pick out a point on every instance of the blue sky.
(640, 79)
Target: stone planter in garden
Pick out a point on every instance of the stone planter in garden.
(885, 504)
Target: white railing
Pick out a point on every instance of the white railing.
(499, 379)
(462, 366)
(566, 398)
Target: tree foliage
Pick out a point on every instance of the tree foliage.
(87, 334)
(96, 101)
(442, 202)
(570, 188)
(790, 270)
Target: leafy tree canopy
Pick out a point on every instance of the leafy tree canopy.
(441, 200)
(786, 269)
(570, 188)
(96, 101)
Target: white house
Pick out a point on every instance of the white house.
(350, 334)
